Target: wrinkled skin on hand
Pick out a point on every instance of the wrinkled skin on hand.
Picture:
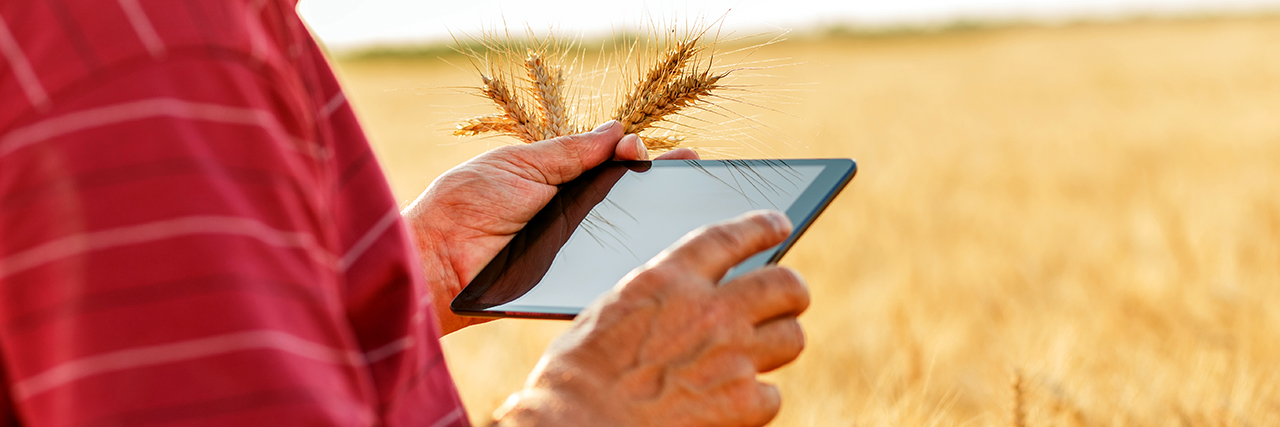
(670, 347)
(472, 211)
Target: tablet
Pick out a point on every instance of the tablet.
(616, 217)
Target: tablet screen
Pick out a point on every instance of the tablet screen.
(617, 217)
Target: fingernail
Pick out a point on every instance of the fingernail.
(642, 152)
(605, 126)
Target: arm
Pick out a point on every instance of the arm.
(165, 257)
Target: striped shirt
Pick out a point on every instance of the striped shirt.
(193, 229)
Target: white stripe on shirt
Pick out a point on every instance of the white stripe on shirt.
(140, 357)
(158, 230)
(22, 68)
(142, 26)
(142, 109)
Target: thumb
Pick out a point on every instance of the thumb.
(560, 160)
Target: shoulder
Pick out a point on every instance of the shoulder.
(52, 51)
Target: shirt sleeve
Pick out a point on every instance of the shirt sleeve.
(8, 416)
(166, 257)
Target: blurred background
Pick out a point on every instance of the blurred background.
(1067, 211)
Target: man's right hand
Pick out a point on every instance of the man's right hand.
(669, 346)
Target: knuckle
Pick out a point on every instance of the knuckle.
(765, 224)
(731, 329)
(524, 161)
(505, 152)
(650, 281)
(713, 318)
(561, 145)
(621, 307)
(762, 221)
(725, 236)
(571, 148)
(780, 285)
(574, 147)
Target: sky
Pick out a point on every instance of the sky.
(355, 23)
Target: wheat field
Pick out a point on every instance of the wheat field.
(1051, 226)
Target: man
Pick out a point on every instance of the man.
(193, 231)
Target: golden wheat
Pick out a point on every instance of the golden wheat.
(673, 97)
(1092, 204)
(678, 78)
(1019, 417)
(487, 124)
(661, 143)
(669, 66)
(548, 89)
(522, 125)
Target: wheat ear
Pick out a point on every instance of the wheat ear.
(548, 88)
(672, 64)
(661, 143)
(673, 80)
(678, 94)
(523, 126)
(498, 123)
(1019, 399)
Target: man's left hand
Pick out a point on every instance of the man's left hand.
(472, 211)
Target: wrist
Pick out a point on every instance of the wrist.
(524, 408)
(560, 395)
(537, 407)
(437, 269)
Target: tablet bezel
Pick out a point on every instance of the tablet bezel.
(835, 175)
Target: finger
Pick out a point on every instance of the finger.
(560, 160)
(712, 250)
(767, 293)
(631, 148)
(680, 154)
(777, 343)
(768, 400)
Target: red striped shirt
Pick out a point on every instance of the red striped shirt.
(193, 228)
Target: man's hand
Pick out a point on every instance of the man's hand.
(669, 346)
(472, 211)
